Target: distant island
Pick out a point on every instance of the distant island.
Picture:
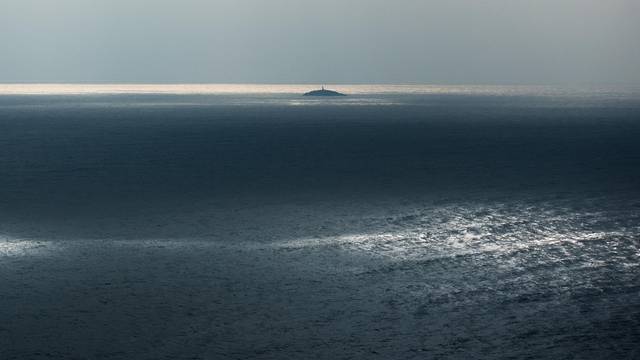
(323, 92)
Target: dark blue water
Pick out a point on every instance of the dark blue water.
(265, 226)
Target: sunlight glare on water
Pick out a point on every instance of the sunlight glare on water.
(16, 247)
(231, 89)
(450, 231)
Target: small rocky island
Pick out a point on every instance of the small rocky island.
(323, 92)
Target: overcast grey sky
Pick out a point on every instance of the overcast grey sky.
(321, 41)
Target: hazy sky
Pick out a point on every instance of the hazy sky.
(321, 41)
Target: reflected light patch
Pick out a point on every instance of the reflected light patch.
(16, 247)
(265, 89)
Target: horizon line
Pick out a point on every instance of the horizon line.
(559, 84)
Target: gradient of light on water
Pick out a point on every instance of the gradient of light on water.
(488, 220)
(358, 89)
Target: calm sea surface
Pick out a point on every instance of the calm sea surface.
(247, 221)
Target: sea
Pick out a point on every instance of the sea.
(229, 221)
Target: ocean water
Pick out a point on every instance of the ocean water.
(247, 221)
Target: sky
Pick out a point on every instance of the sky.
(321, 41)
